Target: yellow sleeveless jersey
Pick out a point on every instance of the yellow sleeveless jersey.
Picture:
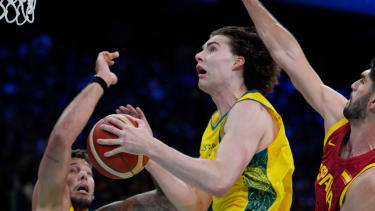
(266, 183)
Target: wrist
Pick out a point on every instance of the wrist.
(152, 147)
(100, 81)
(106, 79)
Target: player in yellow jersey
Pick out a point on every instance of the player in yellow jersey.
(246, 162)
(65, 180)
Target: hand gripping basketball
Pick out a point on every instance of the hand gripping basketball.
(120, 166)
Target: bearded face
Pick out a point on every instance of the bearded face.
(81, 203)
(357, 109)
(81, 183)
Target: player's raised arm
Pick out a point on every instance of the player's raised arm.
(55, 164)
(286, 51)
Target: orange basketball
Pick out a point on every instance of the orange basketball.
(119, 166)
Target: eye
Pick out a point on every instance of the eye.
(211, 49)
(362, 81)
(73, 170)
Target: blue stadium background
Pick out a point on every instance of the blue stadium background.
(45, 64)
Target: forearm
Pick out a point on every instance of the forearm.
(75, 116)
(183, 196)
(67, 128)
(53, 167)
(288, 54)
(201, 173)
(276, 38)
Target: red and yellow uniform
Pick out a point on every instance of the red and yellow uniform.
(336, 174)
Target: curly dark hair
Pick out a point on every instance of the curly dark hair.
(81, 153)
(260, 71)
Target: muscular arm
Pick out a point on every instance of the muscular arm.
(286, 51)
(54, 166)
(247, 124)
(361, 194)
(244, 129)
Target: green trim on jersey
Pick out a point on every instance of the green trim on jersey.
(261, 193)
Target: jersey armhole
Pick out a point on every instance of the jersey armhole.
(334, 127)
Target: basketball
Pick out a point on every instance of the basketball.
(119, 166)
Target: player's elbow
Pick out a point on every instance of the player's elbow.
(220, 191)
(286, 57)
(221, 187)
(58, 137)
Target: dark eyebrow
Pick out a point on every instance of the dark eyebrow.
(211, 43)
(76, 164)
(363, 76)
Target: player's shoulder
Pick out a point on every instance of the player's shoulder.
(367, 180)
(361, 193)
(248, 111)
(248, 105)
(364, 183)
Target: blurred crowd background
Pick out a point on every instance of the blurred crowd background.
(45, 64)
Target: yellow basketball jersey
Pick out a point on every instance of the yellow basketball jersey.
(266, 183)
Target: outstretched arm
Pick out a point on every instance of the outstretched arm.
(54, 166)
(286, 51)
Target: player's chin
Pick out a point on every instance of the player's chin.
(81, 201)
(203, 85)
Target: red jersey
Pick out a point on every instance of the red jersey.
(336, 174)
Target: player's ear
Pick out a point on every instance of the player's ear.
(238, 63)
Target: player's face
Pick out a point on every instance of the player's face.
(356, 108)
(215, 63)
(81, 183)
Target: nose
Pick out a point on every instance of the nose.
(82, 175)
(355, 85)
(198, 56)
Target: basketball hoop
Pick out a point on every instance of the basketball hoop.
(19, 11)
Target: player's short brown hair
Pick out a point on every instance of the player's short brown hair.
(81, 153)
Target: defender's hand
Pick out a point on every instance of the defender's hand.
(104, 60)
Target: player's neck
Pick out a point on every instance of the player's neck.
(362, 138)
(225, 99)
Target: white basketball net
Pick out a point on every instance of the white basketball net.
(19, 11)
